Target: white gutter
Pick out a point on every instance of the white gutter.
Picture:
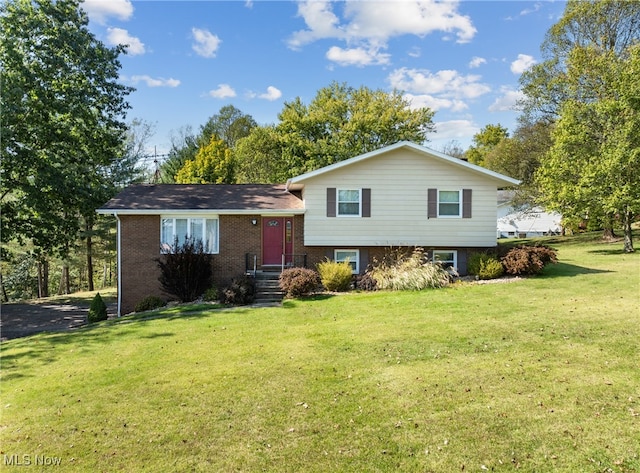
(119, 261)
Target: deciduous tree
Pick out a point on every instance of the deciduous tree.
(62, 123)
(212, 165)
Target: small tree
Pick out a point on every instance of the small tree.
(97, 309)
(186, 272)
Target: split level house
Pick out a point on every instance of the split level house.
(403, 195)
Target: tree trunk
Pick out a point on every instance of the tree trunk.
(5, 298)
(89, 229)
(608, 234)
(104, 274)
(65, 284)
(43, 277)
(628, 234)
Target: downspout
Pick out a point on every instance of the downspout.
(119, 261)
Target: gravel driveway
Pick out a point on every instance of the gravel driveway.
(22, 319)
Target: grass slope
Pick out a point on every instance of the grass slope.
(540, 374)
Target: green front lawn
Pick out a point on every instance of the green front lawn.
(539, 375)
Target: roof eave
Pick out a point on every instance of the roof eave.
(106, 211)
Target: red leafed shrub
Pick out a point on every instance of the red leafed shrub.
(528, 260)
(296, 282)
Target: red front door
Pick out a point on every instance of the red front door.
(277, 240)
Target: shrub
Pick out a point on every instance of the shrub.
(241, 291)
(528, 260)
(186, 272)
(296, 282)
(485, 266)
(366, 282)
(97, 309)
(335, 276)
(149, 303)
(211, 294)
(414, 272)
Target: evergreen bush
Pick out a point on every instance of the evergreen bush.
(335, 276)
(97, 309)
(211, 294)
(149, 303)
(296, 282)
(485, 266)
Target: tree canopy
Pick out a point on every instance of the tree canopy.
(213, 164)
(63, 128)
(339, 123)
(588, 85)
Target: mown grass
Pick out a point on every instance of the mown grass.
(539, 375)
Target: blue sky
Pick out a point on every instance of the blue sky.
(187, 59)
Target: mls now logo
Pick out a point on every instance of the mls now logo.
(28, 460)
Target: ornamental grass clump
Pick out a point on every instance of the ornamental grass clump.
(335, 276)
(410, 273)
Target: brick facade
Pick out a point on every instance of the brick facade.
(140, 235)
(239, 237)
(140, 246)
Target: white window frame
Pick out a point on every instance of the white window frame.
(355, 269)
(338, 202)
(446, 262)
(459, 214)
(166, 244)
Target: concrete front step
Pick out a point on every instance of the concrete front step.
(268, 287)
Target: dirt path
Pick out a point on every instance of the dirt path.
(20, 320)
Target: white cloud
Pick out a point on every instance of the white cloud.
(155, 82)
(455, 129)
(523, 63)
(447, 83)
(117, 36)
(223, 91)
(101, 10)
(271, 94)
(435, 103)
(321, 23)
(415, 52)
(383, 20)
(528, 11)
(206, 43)
(507, 102)
(476, 62)
(367, 26)
(357, 56)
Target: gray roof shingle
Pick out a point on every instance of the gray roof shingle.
(216, 197)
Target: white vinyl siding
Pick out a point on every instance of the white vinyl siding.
(352, 256)
(179, 229)
(399, 183)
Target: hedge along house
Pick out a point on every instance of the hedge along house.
(403, 195)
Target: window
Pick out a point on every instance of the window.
(203, 229)
(449, 204)
(352, 256)
(349, 202)
(448, 258)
